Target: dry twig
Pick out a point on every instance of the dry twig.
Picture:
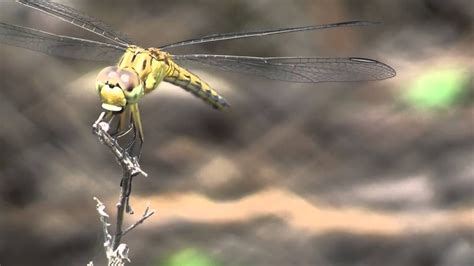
(117, 252)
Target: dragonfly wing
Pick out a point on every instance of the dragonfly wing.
(58, 45)
(242, 35)
(79, 19)
(295, 69)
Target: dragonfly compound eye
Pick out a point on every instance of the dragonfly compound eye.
(108, 75)
(128, 79)
(131, 85)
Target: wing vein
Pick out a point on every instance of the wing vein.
(242, 35)
(78, 19)
(58, 45)
(295, 69)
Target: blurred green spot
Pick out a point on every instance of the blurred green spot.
(190, 257)
(437, 89)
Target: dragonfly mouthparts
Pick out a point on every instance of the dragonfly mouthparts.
(113, 98)
(111, 107)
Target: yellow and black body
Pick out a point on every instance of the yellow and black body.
(139, 72)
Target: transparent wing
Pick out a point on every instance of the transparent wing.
(79, 19)
(58, 45)
(242, 35)
(295, 69)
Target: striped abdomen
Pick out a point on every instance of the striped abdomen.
(185, 79)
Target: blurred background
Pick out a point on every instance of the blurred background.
(368, 173)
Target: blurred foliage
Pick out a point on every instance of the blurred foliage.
(189, 257)
(438, 89)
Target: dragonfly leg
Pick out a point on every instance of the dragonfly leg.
(123, 126)
(109, 116)
(131, 147)
(140, 148)
(125, 132)
(138, 132)
(136, 120)
(118, 132)
(131, 143)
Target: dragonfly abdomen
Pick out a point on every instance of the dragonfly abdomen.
(190, 82)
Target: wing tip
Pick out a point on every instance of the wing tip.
(388, 71)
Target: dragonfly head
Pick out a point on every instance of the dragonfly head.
(118, 87)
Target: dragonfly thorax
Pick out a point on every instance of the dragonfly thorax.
(118, 87)
(150, 65)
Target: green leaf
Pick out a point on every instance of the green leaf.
(437, 89)
(190, 257)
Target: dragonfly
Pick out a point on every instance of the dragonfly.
(138, 71)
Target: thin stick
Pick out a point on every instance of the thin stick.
(116, 256)
(130, 168)
(145, 216)
(121, 209)
(129, 164)
(103, 219)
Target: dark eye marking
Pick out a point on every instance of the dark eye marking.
(128, 79)
(144, 64)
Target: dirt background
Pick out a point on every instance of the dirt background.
(294, 174)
